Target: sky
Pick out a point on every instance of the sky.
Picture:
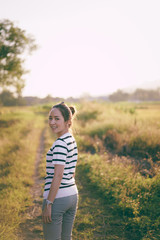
(88, 46)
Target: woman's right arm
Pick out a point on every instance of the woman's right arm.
(58, 174)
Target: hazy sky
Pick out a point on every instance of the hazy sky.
(94, 46)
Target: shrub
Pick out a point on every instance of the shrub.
(140, 146)
(112, 140)
(85, 116)
(86, 144)
(133, 197)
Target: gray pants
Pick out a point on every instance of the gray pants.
(63, 214)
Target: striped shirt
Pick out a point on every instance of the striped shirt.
(64, 152)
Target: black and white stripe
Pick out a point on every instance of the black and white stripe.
(63, 151)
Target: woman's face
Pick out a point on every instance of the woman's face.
(57, 123)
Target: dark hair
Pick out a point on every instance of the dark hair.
(67, 112)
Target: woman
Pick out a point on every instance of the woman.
(60, 192)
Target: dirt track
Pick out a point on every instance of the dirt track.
(32, 227)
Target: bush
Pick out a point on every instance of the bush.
(86, 145)
(133, 197)
(85, 116)
(140, 146)
(112, 140)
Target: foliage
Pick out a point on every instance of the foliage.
(137, 95)
(119, 96)
(13, 43)
(7, 99)
(132, 197)
(19, 138)
(87, 115)
(130, 186)
(125, 128)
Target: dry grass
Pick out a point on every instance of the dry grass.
(20, 139)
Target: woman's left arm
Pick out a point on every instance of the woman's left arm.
(58, 174)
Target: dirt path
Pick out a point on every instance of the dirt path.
(32, 227)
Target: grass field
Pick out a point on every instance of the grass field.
(20, 129)
(117, 173)
(122, 164)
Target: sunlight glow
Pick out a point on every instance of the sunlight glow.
(88, 46)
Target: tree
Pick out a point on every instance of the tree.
(119, 96)
(7, 98)
(13, 43)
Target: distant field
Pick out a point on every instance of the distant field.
(119, 155)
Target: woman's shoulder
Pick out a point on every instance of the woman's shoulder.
(67, 138)
(59, 141)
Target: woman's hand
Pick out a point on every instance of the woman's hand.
(46, 214)
(58, 174)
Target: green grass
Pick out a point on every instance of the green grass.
(117, 172)
(19, 139)
(122, 130)
(126, 130)
(134, 198)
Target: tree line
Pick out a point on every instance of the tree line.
(7, 98)
(137, 95)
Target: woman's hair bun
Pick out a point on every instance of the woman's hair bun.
(73, 110)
